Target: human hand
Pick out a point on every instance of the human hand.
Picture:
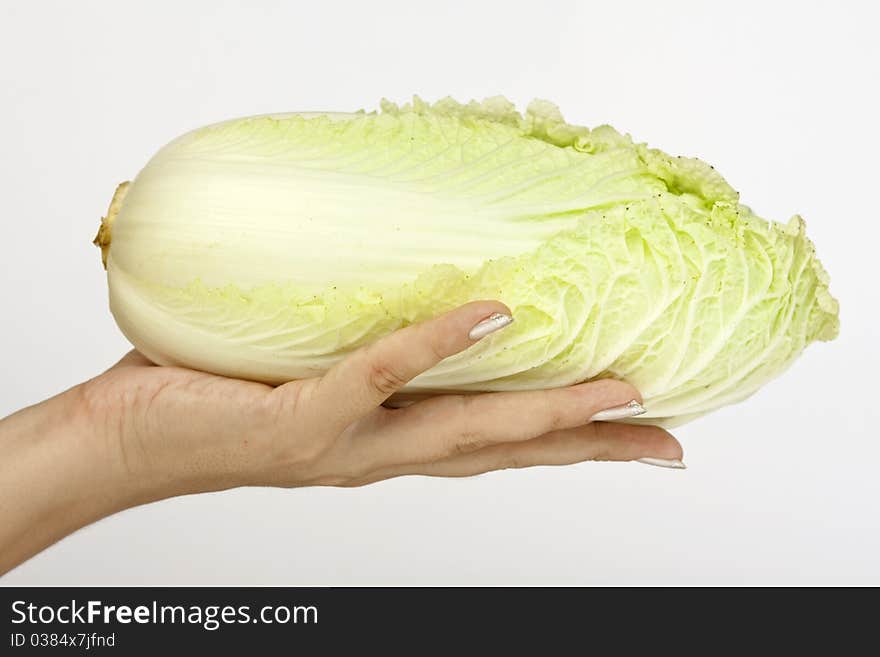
(181, 431)
(139, 433)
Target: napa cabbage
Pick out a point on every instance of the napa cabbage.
(270, 247)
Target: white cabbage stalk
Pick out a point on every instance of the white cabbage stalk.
(268, 248)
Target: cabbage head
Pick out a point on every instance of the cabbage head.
(270, 247)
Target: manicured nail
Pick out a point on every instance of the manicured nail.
(492, 323)
(630, 409)
(676, 464)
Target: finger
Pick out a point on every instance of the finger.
(456, 424)
(598, 441)
(368, 377)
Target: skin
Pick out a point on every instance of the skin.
(139, 433)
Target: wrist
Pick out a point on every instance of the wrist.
(151, 439)
(92, 438)
(84, 445)
(54, 477)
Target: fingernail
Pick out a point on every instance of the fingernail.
(630, 409)
(675, 464)
(492, 323)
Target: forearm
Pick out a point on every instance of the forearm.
(55, 477)
(92, 451)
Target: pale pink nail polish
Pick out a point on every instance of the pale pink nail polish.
(675, 464)
(630, 409)
(492, 323)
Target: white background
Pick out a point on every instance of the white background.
(781, 97)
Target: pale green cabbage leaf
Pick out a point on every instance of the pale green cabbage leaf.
(270, 247)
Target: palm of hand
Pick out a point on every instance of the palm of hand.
(208, 432)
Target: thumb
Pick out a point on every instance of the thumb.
(371, 375)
